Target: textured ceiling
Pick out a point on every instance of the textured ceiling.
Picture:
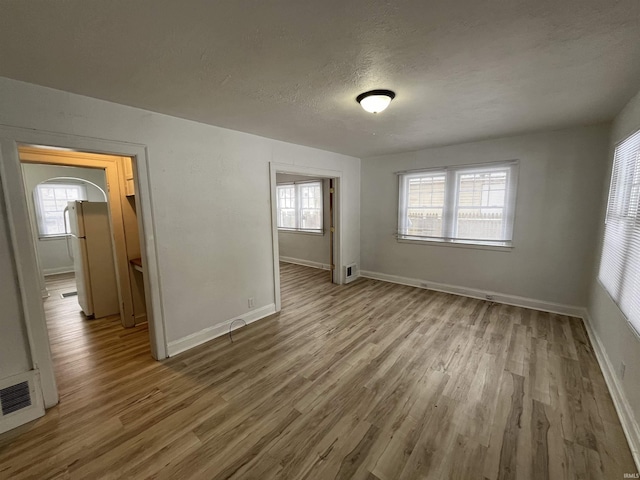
(291, 69)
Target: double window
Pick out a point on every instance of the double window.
(471, 204)
(50, 201)
(620, 260)
(300, 206)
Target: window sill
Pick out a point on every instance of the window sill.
(301, 232)
(458, 244)
(47, 238)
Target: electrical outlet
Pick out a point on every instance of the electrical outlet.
(251, 302)
(623, 368)
(489, 297)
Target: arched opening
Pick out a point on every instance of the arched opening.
(50, 199)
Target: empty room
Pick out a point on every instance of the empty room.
(337, 240)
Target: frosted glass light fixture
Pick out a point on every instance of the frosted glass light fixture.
(375, 101)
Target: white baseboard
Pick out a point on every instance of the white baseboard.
(198, 338)
(480, 294)
(57, 270)
(306, 263)
(625, 413)
(45, 293)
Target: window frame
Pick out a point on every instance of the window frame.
(451, 204)
(298, 208)
(40, 208)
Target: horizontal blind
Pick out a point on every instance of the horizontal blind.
(422, 202)
(286, 206)
(620, 260)
(310, 206)
(484, 199)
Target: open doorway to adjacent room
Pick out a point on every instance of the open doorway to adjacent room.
(306, 227)
(86, 235)
(305, 221)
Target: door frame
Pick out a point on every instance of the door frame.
(110, 164)
(336, 175)
(24, 253)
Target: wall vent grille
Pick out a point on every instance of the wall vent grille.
(14, 398)
(350, 273)
(20, 400)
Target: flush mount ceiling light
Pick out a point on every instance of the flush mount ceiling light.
(375, 101)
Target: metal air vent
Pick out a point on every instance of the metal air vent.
(350, 273)
(14, 398)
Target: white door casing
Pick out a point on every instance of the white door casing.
(24, 249)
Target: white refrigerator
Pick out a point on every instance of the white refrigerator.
(93, 260)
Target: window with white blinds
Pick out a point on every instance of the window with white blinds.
(470, 204)
(620, 260)
(299, 206)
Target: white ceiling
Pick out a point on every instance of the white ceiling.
(291, 69)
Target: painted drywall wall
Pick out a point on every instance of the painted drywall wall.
(53, 255)
(211, 198)
(619, 341)
(15, 356)
(309, 248)
(559, 188)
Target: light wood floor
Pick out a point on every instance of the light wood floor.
(366, 381)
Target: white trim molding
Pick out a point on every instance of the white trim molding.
(625, 413)
(26, 264)
(185, 343)
(24, 249)
(57, 270)
(498, 297)
(306, 263)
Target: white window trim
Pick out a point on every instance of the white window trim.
(298, 209)
(318, 233)
(450, 206)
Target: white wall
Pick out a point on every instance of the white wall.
(14, 348)
(560, 185)
(210, 189)
(620, 342)
(311, 248)
(52, 252)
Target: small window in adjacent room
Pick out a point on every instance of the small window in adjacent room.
(470, 204)
(620, 260)
(300, 207)
(50, 201)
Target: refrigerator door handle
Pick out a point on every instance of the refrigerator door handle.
(65, 215)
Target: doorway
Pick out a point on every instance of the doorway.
(307, 237)
(305, 221)
(85, 234)
(112, 245)
(29, 280)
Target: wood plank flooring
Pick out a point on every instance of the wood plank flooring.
(366, 381)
